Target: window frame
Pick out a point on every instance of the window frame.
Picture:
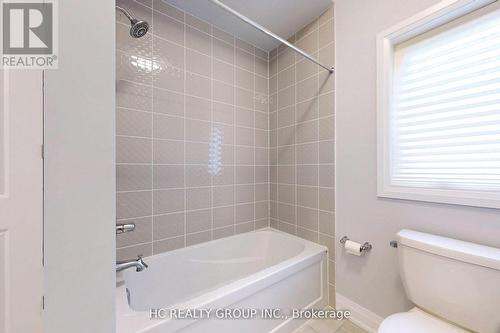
(433, 17)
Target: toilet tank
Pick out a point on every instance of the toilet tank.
(455, 280)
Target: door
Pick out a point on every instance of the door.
(21, 201)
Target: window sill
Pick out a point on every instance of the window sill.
(454, 197)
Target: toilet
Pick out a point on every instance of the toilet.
(455, 286)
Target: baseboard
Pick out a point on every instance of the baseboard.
(360, 316)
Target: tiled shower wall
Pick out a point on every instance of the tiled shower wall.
(302, 139)
(191, 132)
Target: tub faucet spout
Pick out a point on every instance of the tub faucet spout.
(138, 263)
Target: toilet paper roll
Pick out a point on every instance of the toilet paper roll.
(353, 248)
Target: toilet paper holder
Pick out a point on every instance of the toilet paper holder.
(364, 248)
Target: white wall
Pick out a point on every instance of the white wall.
(373, 281)
(80, 172)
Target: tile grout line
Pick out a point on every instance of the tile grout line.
(185, 129)
(152, 146)
(295, 140)
(254, 147)
(212, 128)
(234, 137)
(277, 139)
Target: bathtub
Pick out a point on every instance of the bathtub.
(264, 269)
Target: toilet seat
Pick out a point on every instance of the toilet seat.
(417, 321)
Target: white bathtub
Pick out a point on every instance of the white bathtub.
(262, 270)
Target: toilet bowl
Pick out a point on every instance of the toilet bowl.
(453, 284)
(417, 321)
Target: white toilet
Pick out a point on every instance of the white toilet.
(455, 286)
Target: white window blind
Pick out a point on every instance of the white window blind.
(445, 111)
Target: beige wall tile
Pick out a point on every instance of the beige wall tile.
(223, 51)
(168, 226)
(168, 28)
(327, 223)
(307, 153)
(307, 196)
(197, 130)
(308, 234)
(223, 196)
(261, 67)
(307, 218)
(133, 150)
(198, 198)
(307, 175)
(223, 92)
(167, 54)
(198, 86)
(128, 253)
(245, 227)
(198, 108)
(244, 60)
(223, 216)
(286, 77)
(142, 232)
(198, 24)
(307, 89)
(309, 43)
(198, 63)
(327, 151)
(133, 96)
(168, 176)
(286, 58)
(223, 232)
(133, 204)
(168, 201)
(244, 78)
(223, 113)
(199, 41)
(286, 213)
(166, 127)
(307, 110)
(201, 237)
(197, 176)
(244, 213)
(223, 71)
(133, 123)
(126, 70)
(168, 152)
(198, 220)
(133, 177)
(222, 35)
(168, 244)
(326, 34)
(168, 102)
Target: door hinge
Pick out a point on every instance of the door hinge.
(42, 151)
(43, 302)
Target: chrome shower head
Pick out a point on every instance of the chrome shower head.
(138, 28)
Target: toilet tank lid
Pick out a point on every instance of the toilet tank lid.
(451, 248)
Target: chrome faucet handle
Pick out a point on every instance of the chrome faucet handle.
(139, 259)
(121, 228)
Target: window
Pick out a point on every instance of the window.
(439, 106)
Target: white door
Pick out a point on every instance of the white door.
(21, 201)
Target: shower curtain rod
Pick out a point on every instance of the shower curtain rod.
(269, 33)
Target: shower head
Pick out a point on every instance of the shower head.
(138, 28)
